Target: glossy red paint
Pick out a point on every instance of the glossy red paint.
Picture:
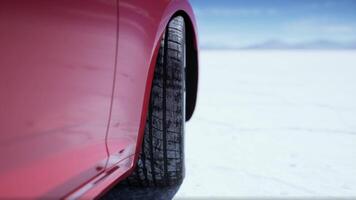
(75, 79)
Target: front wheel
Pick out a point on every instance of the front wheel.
(161, 161)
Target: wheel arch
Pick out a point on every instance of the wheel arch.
(191, 73)
(183, 8)
(172, 9)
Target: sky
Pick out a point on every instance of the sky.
(244, 23)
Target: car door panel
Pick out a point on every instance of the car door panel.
(57, 61)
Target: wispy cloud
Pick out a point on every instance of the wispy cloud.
(326, 4)
(322, 26)
(219, 12)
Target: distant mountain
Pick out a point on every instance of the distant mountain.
(320, 44)
(271, 44)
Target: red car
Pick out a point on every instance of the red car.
(94, 92)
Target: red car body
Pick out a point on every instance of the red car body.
(75, 79)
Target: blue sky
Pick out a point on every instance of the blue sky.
(241, 23)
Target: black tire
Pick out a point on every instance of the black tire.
(161, 161)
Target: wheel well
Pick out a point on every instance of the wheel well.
(191, 80)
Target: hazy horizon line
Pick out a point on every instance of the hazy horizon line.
(282, 45)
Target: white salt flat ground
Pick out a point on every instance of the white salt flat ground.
(273, 124)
